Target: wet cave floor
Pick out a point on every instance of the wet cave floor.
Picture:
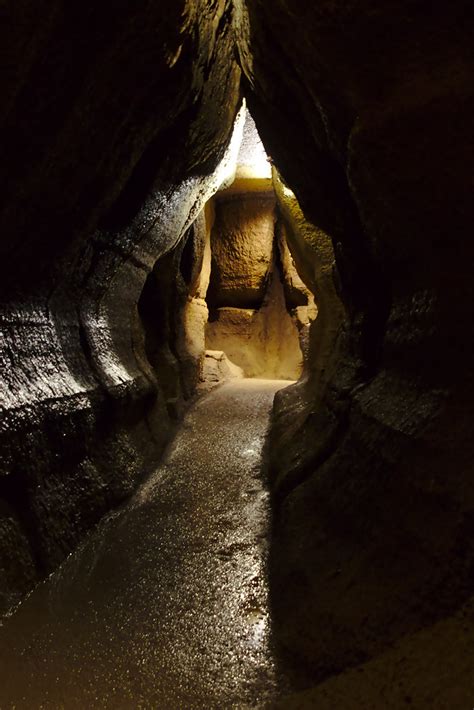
(166, 603)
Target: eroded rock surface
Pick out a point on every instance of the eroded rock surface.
(254, 285)
(114, 120)
(365, 110)
(110, 149)
(263, 342)
(242, 249)
(218, 368)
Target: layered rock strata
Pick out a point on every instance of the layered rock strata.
(366, 110)
(114, 121)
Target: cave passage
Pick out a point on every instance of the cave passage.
(166, 604)
(143, 260)
(254, 317)
(259, 309)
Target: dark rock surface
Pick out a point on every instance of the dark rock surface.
(113, 119)
(366, 109)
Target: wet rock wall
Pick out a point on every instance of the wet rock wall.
(114, 120)
(365, 109)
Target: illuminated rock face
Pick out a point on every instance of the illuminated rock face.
(252, 161)
(109, 151)
(242, 250)
(254, 292)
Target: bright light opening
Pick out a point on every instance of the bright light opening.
(252, 162)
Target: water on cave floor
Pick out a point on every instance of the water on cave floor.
(166, 603)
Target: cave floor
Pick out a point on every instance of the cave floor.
(165, 605)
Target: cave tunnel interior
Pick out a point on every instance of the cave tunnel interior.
(259, 308)
(301, 534)
(245, 310)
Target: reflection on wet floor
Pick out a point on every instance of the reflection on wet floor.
(165, 605)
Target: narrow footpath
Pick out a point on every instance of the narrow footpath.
(166, 603)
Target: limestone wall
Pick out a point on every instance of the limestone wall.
(366, 110)
(114, 118)
(110, 146)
